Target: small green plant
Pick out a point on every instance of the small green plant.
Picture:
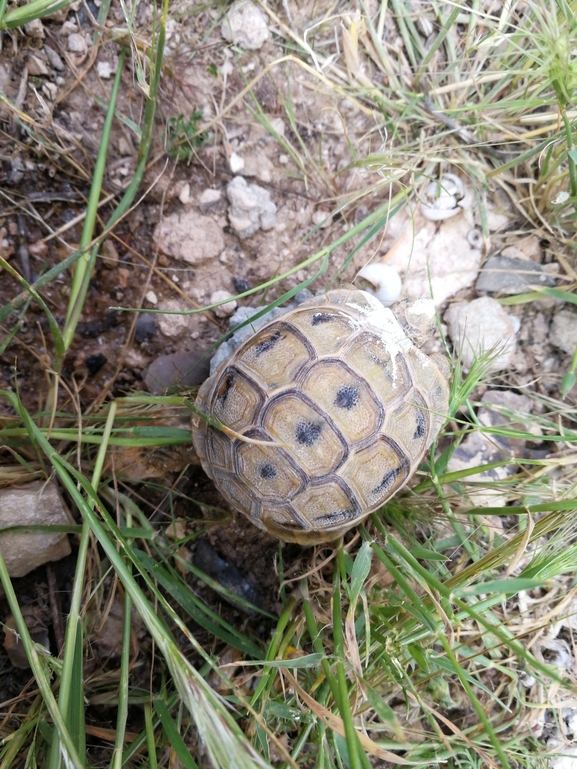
(183, 137)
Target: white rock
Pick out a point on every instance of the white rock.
(76, 43)
(174, 325)
(322, 218)
(568, 759)
(184, 194)
(435, 259)
(563, 333)
(36, 503)
(208, 198)
(381, 281)
(482, 327)
(245, 25)
(236, 163)
(35, 29)
(104, 69)
(250, 207)
(36, 66)
(54, 58)
(151, 297)
(189, 237)
(224, 310)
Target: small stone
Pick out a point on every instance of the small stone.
(482, 327)
(209, 198)
(53, 58)
(76, 43)
(189, 237)
(68, 27)
(146, 327)
(322, 218)
(245, 25)
(103, 68)
(283, 159)
(181, 369)
(224, 310)
(184, 195)
(563, 333)
(35, 29)
(109, 254)
(236, 163)
(251, 207)
(50, 90)
(174, 325)
(505, 275)
(36, 66)
(151, 297)
(36, 503)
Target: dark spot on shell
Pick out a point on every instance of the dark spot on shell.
(388, 481)
(339, 516)
(322, 317)
(227, 385)
(267, 471)
(421, 426)
(268, 344)
(347, 397)
(307, 433)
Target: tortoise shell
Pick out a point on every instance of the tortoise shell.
(330, 408)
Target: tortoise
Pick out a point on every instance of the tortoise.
(322, 414)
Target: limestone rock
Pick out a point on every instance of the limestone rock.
(250, 208)
(37, 503)
(245, 25)
(563, 333)
(189, 237)
(482, 327)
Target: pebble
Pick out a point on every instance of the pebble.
(482, 327)
(36, 66)
(184, 194)
(245, 25)
(250, 208)
(35, 29)
(171, 372)
(236, 163)
(506, 275)
(173, 325)
(146, 327)
(224, 310)
(189, 237)
(563, 332)
(104, 69)
(151, 297)
(53, 58)
(34, 504)
(76, 43)
(209, 198)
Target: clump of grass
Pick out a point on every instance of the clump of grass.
(183, 138)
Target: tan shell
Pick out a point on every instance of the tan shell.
(348, 404)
